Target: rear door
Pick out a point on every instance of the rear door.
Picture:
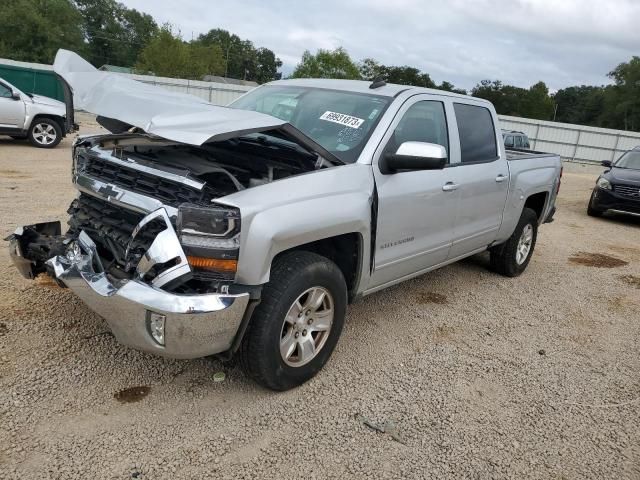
(11, 110)
(415, 214)
(481, 177)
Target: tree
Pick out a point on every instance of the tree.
(582, 105)
(450, 87)
(115, 34)
(327, 64)
(34, 30)
(626, 93)
(538, 104)
(167, 55)
(267, 66)
(519, 102)
(370, 69)
(243, 60)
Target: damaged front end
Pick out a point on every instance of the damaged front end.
(140, 308)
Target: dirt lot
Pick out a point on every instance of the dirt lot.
(481, 376)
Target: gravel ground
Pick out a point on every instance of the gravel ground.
(474, 375)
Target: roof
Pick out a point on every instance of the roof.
(115, 68)
(362, 86)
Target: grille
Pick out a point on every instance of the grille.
(627, 191)
(110, 227)
(168, 192)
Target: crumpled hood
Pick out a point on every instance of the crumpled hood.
(171, 115)
(51, 102)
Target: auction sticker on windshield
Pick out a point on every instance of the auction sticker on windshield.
(342, 119)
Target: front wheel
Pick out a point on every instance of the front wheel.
(296, 326)
(591, 210)
(45, 133)
(512, 257)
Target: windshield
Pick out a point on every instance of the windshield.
(339, 121)
(629, 160)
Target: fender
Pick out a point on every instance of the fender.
(291, 212)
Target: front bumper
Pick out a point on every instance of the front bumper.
(195, 325)
(609, 200)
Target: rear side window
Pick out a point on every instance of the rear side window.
(477, 133)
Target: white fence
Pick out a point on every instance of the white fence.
(573, 142)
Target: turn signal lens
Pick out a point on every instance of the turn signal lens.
(214, 264)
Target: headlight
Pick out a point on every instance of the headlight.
(604, 183)
(210, 237)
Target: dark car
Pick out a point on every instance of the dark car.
(618, 188)
(515, 140)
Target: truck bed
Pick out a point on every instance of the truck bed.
(517, 154)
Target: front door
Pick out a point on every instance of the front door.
(415, 214)
(11, 111)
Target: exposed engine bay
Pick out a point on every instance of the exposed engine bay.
(183, 179)
(224, 167)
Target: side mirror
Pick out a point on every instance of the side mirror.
(414, 156)
(606, 163)
(15, 95)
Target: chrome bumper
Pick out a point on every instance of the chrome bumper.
(195, 325)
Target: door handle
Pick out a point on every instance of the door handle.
(501, 178)
(450, 187)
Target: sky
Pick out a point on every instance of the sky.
(520, 42)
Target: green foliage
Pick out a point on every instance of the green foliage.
(115, 34)
(327, 64)
(243, 60)
(519, 102)
(167, 55)
(108, 32)
(405, 75)
(34, 30)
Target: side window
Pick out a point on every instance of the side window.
(5, 91)
(508, 141)
(526, 142)
(477, 133)
(424, 121)
(518, 141)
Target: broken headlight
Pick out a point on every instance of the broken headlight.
(210, 237)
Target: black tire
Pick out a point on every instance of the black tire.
(292, 274)
(591, 211)
(45, 133)
(504, 257)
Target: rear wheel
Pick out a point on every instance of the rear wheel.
(45, 133)
(591, 210)
(512, 257)
(297, 324)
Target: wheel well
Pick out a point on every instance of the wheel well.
(536, 202)
(344, 250)
(56, 118)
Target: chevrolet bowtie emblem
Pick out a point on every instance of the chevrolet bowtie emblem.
(108, 191)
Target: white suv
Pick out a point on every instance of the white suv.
(42, 120)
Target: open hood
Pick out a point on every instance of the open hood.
(171, 115)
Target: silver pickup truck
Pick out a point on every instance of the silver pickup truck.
(201, 230)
